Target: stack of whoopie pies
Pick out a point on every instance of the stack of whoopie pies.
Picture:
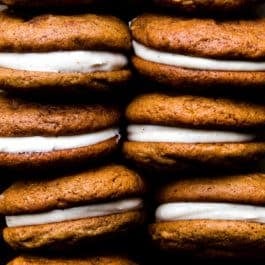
(198, 122)
(60, 132)
(202, 128)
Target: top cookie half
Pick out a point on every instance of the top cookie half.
(55, 51)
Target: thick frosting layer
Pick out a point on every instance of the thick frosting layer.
(191, 62)
(154, 133)
(210, 211)
(74, 213)
(38, 144)
(3, 7)
(64, 61)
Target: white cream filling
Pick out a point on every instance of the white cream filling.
(38, 144)
(155, 133)
(64, 61)
(191, 62)
(210, 211)
(75, 213)
(3, 7)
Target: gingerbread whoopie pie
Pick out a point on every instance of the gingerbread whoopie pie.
(199, 53)
(207, 5)
(97, 260)
(34, 135)
(90, 205)
(212, 216)
(60, 53)
(175, 132)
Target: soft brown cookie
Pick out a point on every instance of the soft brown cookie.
(241, 188)
(212, 216)
(190, 157)
(97, 260)
(69, 233)
(40, 134)
(56, 52)
(199, 52)
(211, 239)
(178, 78)
(176, 132)
(209, 5)
(195, 111)
(84, 206)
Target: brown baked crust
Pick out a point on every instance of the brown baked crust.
(94, 260)
(244, 188)
(57, 32)
(71, 232)
(210, 238)
(175, 157)
(180, 78)
(209, 5)
(65, 158)
(195, 111)
(27, 118)
(29, 81)
(201, 37)
(96, 185)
